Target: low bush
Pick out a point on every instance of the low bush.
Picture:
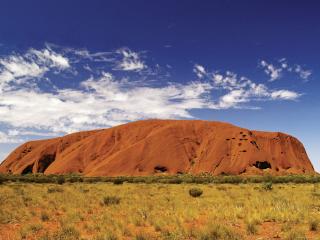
(44, 216)
(251, 228)
(313, 225)
(54, 189)
(202, 180)
(69, 233)
(35, 227)
(175, 181)
(230, 179)
(217, 232)
(108, 236)
(295, 235)
(195, 192)
(167, 179)
(141, 236)
(61, 180)
(111, 200)
(267, 186)
(221, 188)
(118, 181)
(74, 179)
(90, 180)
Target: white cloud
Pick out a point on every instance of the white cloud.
(239, 90)
(304, 74)
(232, 99)
(18, 132)
(29, 66)
(276, 72)
(199, 70)
(47, 57)
(16, 67)
(130, 61)
(109, 97)
(99, 102)
(123, 60)
(271, 70)
(7, 138)
(285, 95)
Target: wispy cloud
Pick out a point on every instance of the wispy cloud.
(271, 70)
(122, 60)
(131, 61)
(99, 103)
(29, 63)
(30, 66)
(275, 71)
(239, 90)
(119, 87)
(17, 135)
(303, 73)
(9, 138)
(199, 70)
(284, 94)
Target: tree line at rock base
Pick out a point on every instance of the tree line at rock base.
(164, 179)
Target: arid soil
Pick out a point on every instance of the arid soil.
(159, 211)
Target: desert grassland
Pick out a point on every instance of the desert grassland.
(158, 211)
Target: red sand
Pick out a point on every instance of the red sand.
(163, 146)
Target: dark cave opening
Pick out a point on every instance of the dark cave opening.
(28, 169)
(262, 165)
(160, 169)
(45, 162)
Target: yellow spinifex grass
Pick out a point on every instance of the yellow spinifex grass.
(158, 211)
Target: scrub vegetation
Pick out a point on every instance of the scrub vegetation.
(159, 207)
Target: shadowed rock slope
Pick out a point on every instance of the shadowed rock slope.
(162, 146)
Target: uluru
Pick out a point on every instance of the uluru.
(151, 147)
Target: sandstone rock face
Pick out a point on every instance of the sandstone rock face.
(162, 147)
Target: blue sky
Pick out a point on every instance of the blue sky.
(74, 65)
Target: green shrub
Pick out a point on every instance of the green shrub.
(201, 180)
(55, 189)
(140, 236)
(1, 179)
(251, 228)
(111, 200)
(108, 236)
(267, 186)
(44, 217)
(111, 236)
(231, 179)
(175, 181)
(89, 180)
(296, 235)
(35, 227)
(221, 188)
(313, 225)
(67, 233)
(219, 232)
(61, 180)
(118, 181)
(195, 192)
(75, 179)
